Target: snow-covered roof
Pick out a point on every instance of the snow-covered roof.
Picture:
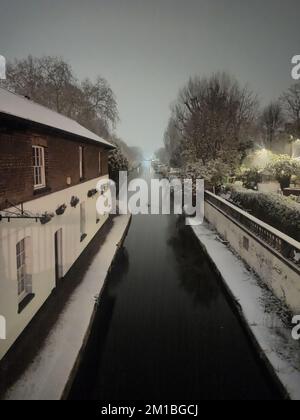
(21, 107)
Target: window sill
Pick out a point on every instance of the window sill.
(25, 302)
(41, 191)
(83, 237)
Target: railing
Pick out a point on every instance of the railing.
(286, 247)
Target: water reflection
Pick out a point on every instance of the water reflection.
(194, 270)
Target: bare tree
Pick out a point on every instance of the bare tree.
(272, 120)
(24, 77)
(132, 154)
(162, 155)
(173, 144)
(50, 81)
(58, 79)
(101, 100)
(46, 80)
(291, 103)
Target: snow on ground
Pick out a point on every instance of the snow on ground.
(260, 309)
(48, 374)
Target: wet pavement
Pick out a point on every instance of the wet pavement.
(165, 328)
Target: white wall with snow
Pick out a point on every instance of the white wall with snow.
(43, 252)
(278, 276)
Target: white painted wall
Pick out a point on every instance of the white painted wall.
(280, 278)
(43, 253)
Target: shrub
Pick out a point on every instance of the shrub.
(284, 168)
(295, 198)
(251, 177)
(280, 212)
(214, 172)
(230, 187)
(117, 162)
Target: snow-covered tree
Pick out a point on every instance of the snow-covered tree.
(272, 120)
(162, 155)
(213, 117)
(214, 172)
(117, 162)
(283, 168)
(291, 103)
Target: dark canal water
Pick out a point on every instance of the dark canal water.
(165, 329)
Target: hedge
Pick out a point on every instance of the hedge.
(280, 212)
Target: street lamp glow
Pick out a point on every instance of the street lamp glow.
(260, 158)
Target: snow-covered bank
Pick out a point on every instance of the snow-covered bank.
(259, 310)
(47, 377)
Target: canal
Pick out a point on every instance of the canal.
(165, 328)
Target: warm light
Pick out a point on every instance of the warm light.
(259, 159)
(262, 157)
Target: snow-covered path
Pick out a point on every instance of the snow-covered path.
(259, 310)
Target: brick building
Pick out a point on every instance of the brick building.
(49, 169)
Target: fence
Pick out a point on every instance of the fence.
(277, 242)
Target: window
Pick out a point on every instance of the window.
(100, 163)
(82, 222)
(23, 270)
(81, 162)
(246, 243)
(39, 176)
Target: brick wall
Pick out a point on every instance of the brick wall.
(61, 156)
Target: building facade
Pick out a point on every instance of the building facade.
(49, 169)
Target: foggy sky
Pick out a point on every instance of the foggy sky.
(148, 49)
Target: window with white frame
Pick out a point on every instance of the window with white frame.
(39, 175)
(23, 269)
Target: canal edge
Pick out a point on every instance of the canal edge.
(81, 352)
(251, 335)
